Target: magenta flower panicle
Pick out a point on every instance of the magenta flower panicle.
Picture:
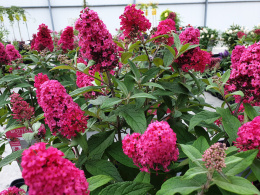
(156, 147)
(96, 42)
(46, 171)
(61, 113)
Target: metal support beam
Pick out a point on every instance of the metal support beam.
(206, 13)
(118, 5)
(52, 23)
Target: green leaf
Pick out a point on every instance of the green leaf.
(102, 167)
(152, 39)
(239, 166)
(63, 67)
(192, 172)
(171, 50)
(235, 93)
(204, 116)
(98, 143)
(28, 137)
(9, 78)
(184, 48)
(154, 85)
(134, 70)
(178, 185)
(143, 95)
(236, 184)
(98, 181)
(255, 166)
(126, 188)
(109, 102)
(183, 135)
(192, 153)
(141, 58)
(11, 157)
(119, 44)
(99, 100)
(82, 141)
(34, 59)
(116, 151)
(201, 144)
(39, 117)
(125, 56)
(122, 86)
(195, 79)
(250, 111)
(230, 123)
(158, 61)
(167, 58)
(177, 41)
(91, 63)
(225, 76)
(23, 85)
(142, 177)
(136, 45)
(135, 119)
(85, 90)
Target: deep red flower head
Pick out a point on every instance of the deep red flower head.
(46, 171)
(193, 59)
(67, 39)
(133, 22)
(165, 27)
(249, 136)
(12, 52)
(96, 42)
(33, 41)
(61, 113)
(13, 191)
(240, 34)
(4, 57)
(172, 15)
(22, 111)
(43, 39)
(245, 72)
(156, 147)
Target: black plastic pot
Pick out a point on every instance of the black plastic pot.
(17, 183)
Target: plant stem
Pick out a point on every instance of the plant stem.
(149, 61)
(207, 184)
(117, 118)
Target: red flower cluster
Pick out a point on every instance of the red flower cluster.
(13, 191)
(96, 42)
(240, 34)
(249, 136)
(257, 31)
(165, 27)
(193, 59)
(172, 16)
(12, 52)
(4, 57)
(190, 35)
(67, 39)
(45, 171)
(43, 39)
(22, 111)
(214, 157)
(245, 72)
(33, 41)
(133, 22)
(157, 146)
(61, 113)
